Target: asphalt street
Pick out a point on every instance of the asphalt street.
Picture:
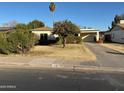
(58, 80)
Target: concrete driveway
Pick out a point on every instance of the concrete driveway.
(106, 57)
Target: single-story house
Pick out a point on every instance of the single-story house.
(89, 35)
(44, 33)
(116, 34)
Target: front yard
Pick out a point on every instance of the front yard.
(70, 52)
(45, 56)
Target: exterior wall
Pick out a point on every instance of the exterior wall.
(117, 36)
(50, 36)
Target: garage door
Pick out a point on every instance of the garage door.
(90, 38)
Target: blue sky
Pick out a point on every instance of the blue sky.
(96, 15)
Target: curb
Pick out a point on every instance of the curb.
(64, 67)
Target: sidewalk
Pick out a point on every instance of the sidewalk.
(58, 64)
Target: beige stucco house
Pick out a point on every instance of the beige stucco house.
(44, 33)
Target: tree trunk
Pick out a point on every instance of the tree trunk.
(64, 42)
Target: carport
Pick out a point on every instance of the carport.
(89, 35)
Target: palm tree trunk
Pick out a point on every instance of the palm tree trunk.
(53, 18)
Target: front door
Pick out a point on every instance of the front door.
(43, 37)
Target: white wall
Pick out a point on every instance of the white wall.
(50, 36)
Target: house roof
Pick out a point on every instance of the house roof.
(120, 25)
(88, 30)
(42, 29)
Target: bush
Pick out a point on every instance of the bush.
(4, 46)
(16, 42)
(72, 39)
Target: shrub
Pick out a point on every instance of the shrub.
(4, 46)
(21, 41)
(72, 39)
(16, 42)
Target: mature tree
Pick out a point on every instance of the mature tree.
(21, 26)
(35, 24)
(113, 24)
(31, 25)
(117, 18)
(64, 28)
(109, 27)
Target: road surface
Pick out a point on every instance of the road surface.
(54, 80)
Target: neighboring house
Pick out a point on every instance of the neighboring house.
(107, 35)
(44, 33)
(89, 35)
(6, 29)
(116, 34)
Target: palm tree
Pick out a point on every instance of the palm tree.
(52, 8)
